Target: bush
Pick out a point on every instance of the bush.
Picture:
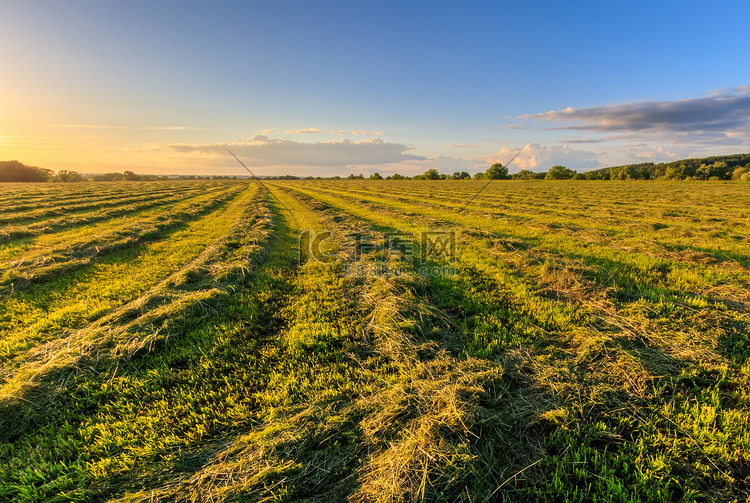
(559, 173)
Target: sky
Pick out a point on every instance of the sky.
(332, 88)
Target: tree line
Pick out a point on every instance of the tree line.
(727, 167)
(723, 167)
(15, 171)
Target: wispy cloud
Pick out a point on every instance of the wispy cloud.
(107, 126)
(261, 151)
(463, 145)
(719, 112)
(376, 133)
(314, 130)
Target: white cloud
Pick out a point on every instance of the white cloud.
(533, 156)
(463, 145)
(262, 151)
(538, 157)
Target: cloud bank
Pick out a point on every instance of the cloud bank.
(262, 151)
(723, 112)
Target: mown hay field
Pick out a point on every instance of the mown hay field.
(375, 341)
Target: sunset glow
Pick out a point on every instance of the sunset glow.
(97, 87)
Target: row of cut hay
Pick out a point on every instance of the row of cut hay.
(142, 324)
(65, 218)
(721, 244)
(409, 438)
(31, 195)
(603, 263)
(44, 261)
(15, 249)
(51, 208)
(621, 357)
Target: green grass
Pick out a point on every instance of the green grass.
(588, 343)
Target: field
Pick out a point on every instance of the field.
(369, 340)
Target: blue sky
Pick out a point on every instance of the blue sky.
(322, 88)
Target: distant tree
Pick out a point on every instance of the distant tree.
(431, 174)
(579, 176)
(629, 172)
(497, 172)
(67, 176)
(716, 170)
(107, 177)
(524, 174)
(738, 172)
(376, 176)
(559, 173)
(130, 176)
(674, 173)
(14, 171)
(396, 176)
(479, 176)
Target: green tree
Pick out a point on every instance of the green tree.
(67, 176)
(525, 174)
(738, 172)
(107, 177)
(559, 173)
(497, 172)
(431, 174)
(376, 176)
